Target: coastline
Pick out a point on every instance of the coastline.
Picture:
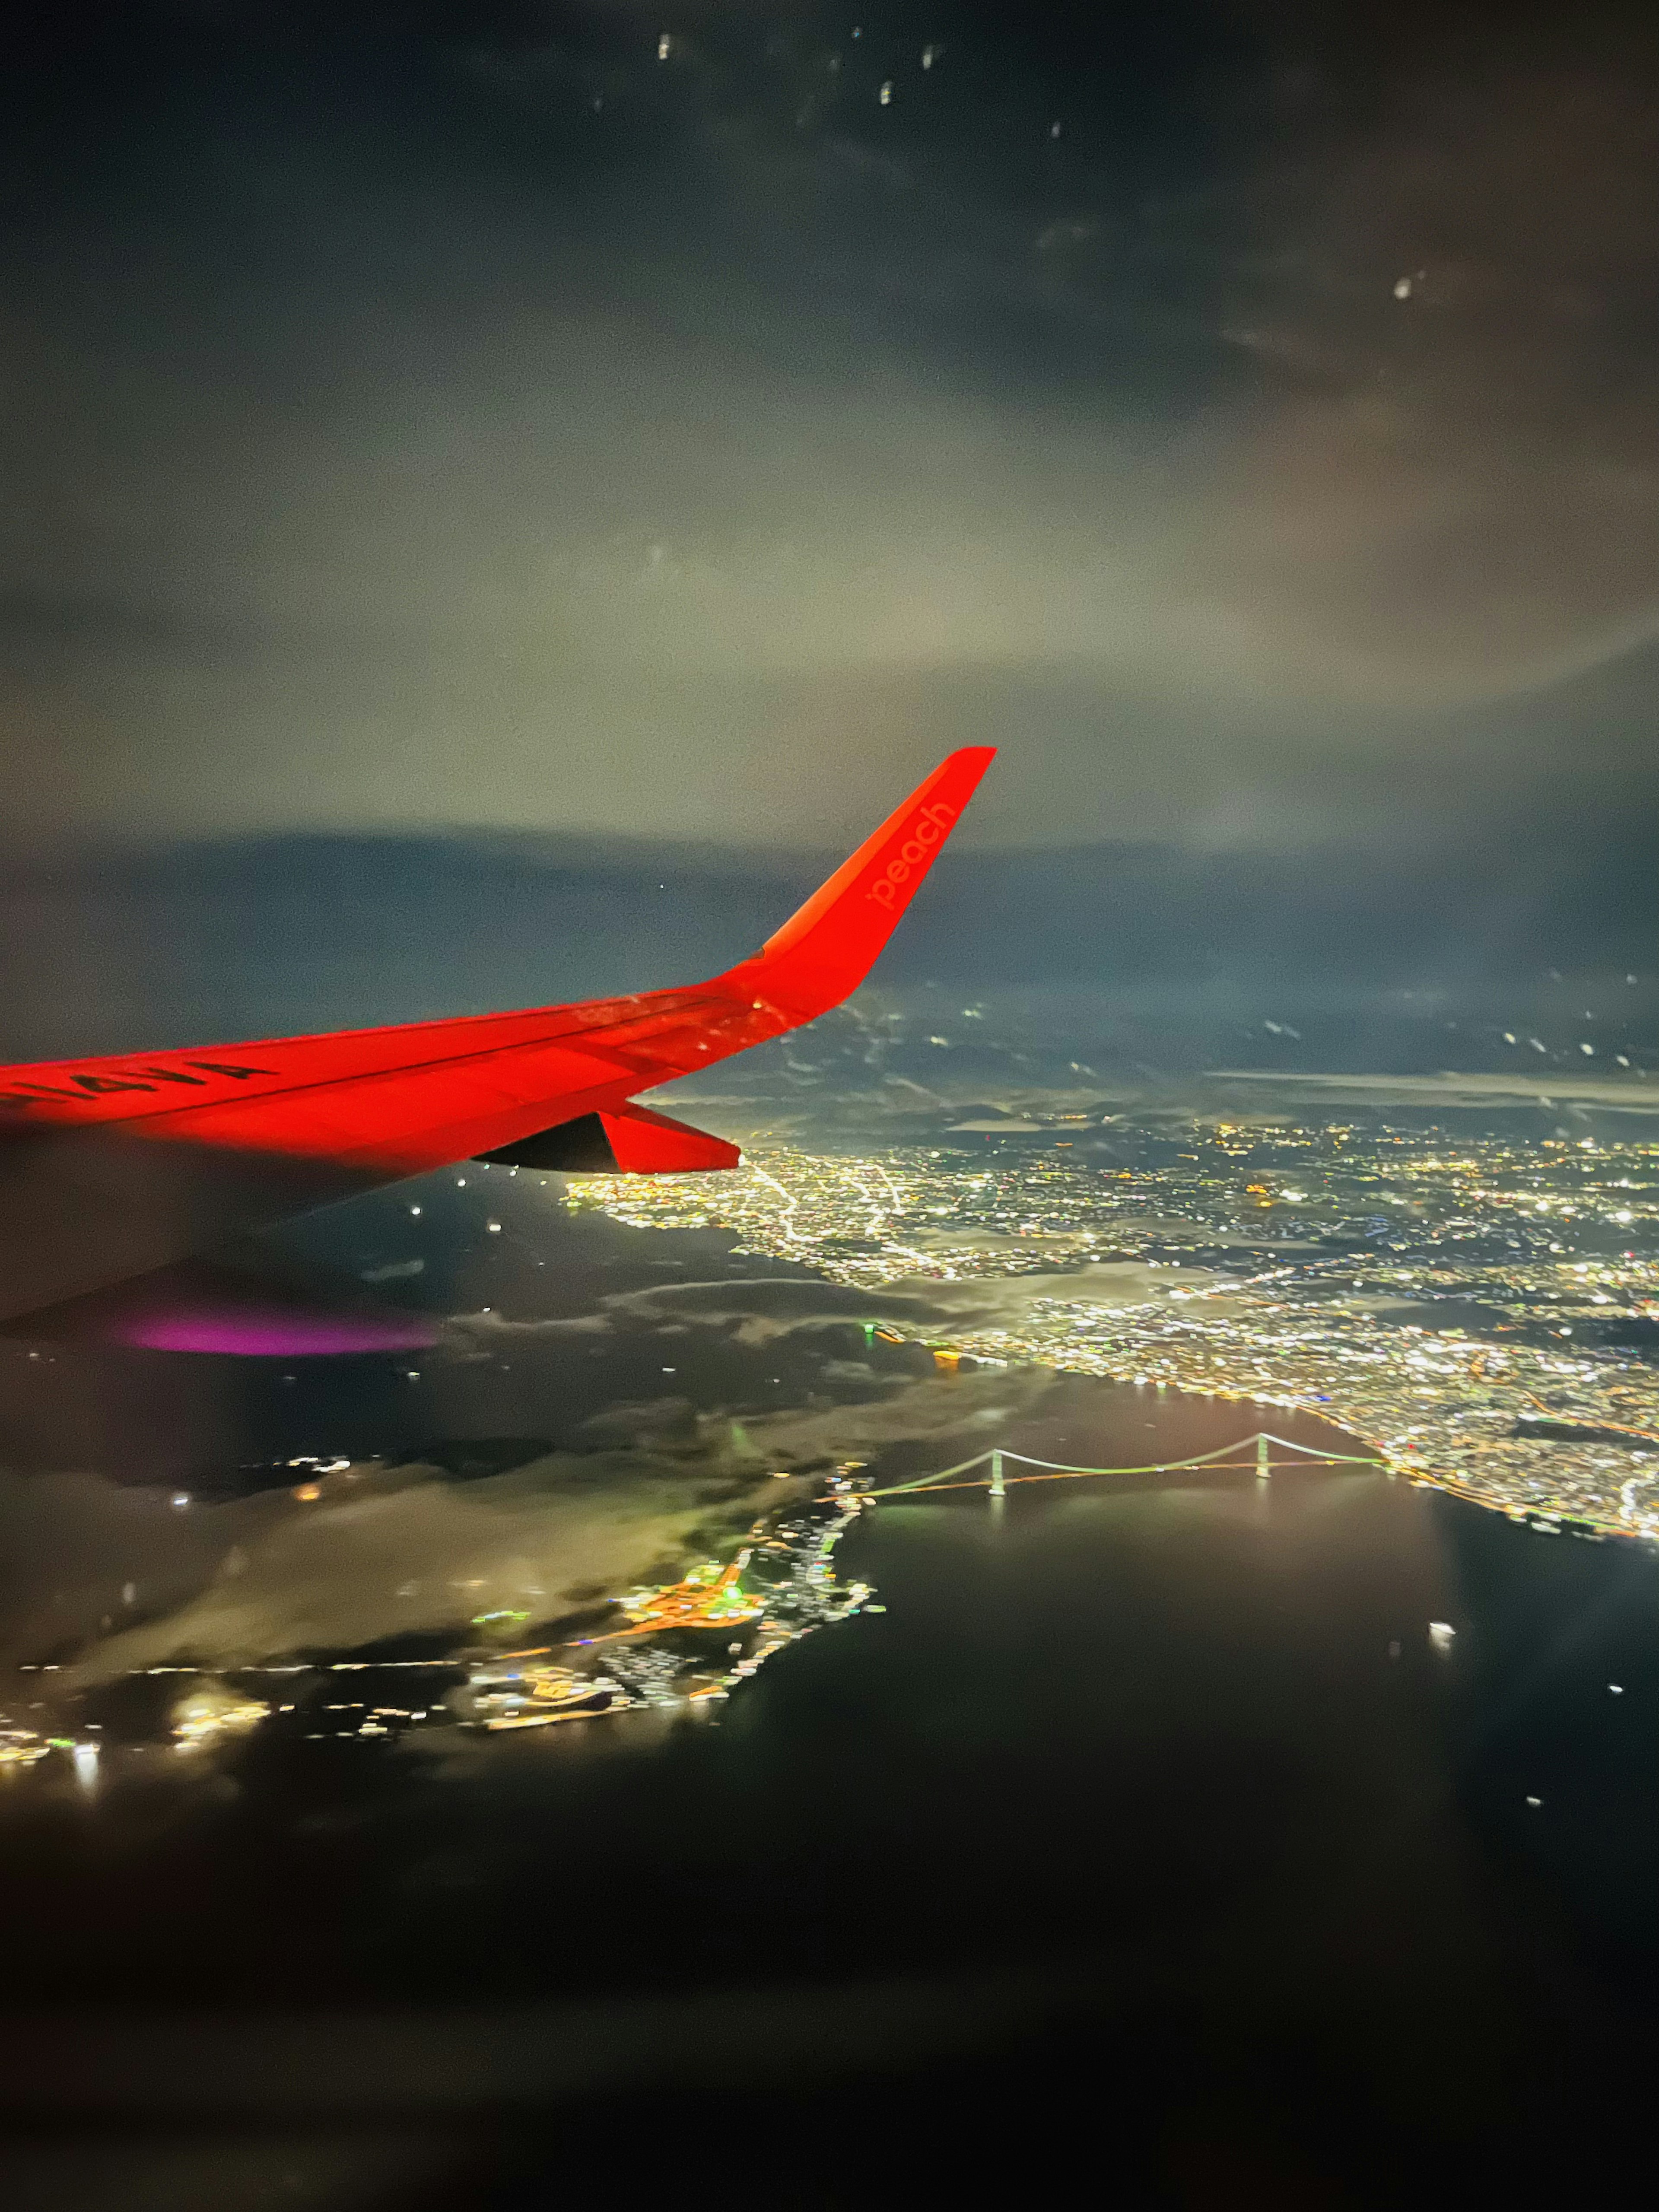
(1025, 1260)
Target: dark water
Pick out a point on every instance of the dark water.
(1146, 1813)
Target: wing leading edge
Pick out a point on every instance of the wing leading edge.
(268, 1121)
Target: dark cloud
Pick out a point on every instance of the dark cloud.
(110, 1579)
(404, 1551)
(475, 416)
(1451, 477)
(758, 1313)
(595, 1411)
(786, 1304)
(1368, 942)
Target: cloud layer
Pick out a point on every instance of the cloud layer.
(469, 427)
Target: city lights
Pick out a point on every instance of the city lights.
(1474, 1310)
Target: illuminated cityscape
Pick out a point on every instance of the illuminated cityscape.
(1480, 1311)
(689, 1641)
(683, 1644)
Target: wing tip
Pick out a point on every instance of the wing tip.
(825, 950)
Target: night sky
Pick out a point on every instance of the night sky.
(691, 423)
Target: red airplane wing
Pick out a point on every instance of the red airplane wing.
(333, 1113)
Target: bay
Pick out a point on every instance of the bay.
(1167, 1798)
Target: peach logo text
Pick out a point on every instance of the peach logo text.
(926, 833)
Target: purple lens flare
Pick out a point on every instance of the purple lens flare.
(271, 1332)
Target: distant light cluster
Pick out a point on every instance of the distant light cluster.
(1477, 1310)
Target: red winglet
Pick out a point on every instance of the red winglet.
(825, 950)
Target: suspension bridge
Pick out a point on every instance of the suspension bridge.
(997, 1459)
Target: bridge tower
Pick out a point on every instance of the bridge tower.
(999, 1487)
(1263, 1465)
